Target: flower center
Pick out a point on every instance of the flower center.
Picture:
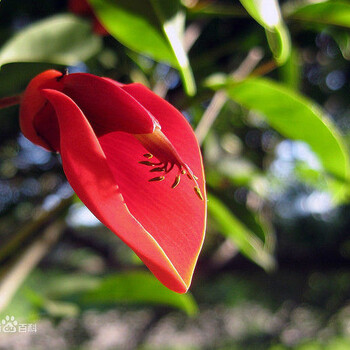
(160, 147)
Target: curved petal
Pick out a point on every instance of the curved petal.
(176, 217)
(46, 126)
(106, 105)
(87, 170)
(33, 103)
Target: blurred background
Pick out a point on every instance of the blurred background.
(266, 87)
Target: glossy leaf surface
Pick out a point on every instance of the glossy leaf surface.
(160, 24)
(62, 39)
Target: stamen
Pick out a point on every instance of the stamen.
(166, 157)
(176, 182)
(159, 178)
(198, 192)
(154, 170)
(146, 162)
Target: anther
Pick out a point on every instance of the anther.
(159, 178)
(154, 170)
(146, 162)
(176, 182)
(148, 155)
(198, 192)
(183, 171)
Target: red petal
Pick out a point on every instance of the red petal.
(87, 170)
(106, 105)
(33, 103)
(175, 217)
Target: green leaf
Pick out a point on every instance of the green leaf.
(137, 288)
(245, 240)
(60, 285)
(267, 13)
(331, 16)
(151, 27)
(279, 42)
(62, 39)
(327, 12)
(215, 9)
(290, 72)
(296, 117)
(338, 343)
(60, 309)
(342, 38)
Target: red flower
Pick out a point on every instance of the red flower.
(83, 8)
(124, 150)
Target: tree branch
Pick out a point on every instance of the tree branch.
(246, 67)
(27, 262)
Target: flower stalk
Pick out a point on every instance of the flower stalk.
(10, 101)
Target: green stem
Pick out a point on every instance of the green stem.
(10, 101)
